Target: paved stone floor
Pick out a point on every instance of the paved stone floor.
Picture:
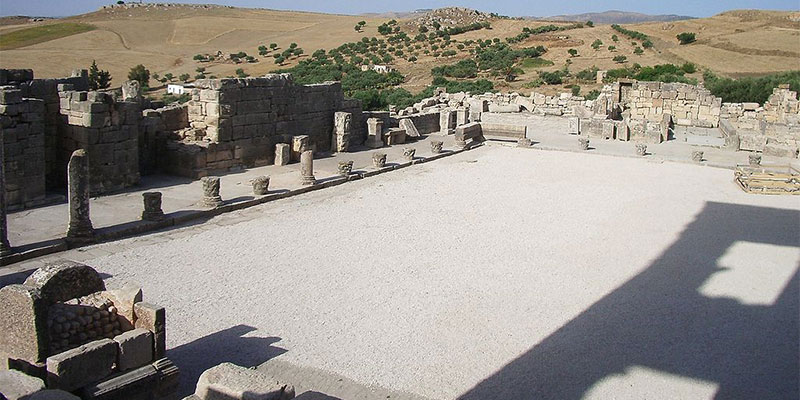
(498, 273)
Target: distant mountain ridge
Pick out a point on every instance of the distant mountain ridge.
(616, 17)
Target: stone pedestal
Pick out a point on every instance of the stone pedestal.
(379, 160)
(641, 149)
(152, 206)
(261, 185)
(374, 133)
(445, 122)
(754, 159)
(583, 143)
(408, 153)
(211, 197)
(283, 154)
(524, 142)
(436, 146)
(341, 131)
(80, 228)
(461, 116)
(697, 156)
(307, 168)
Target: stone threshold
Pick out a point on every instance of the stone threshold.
(178, 218)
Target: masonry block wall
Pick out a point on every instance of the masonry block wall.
(109, 132)
(235, 123)
(22, 131)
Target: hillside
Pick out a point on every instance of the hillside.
(617, 17)
(167, 38)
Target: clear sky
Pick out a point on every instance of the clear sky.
(697, 8)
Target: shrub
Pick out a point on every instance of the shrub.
(572, 52)
(141, 74)
(750, 89)
(612, 48)
(615, 38)
(98, 79)
(241, 74)
(169, 77)
(638, 51)
(590, 24)
(596, 44)
(689, 68)
(620, 59)
(588, 75)
(199, 57)
(592, 95)
(686, 37)
(551, 78)
(171, 98)
(647, 44)
(184, 77)
(576, 90)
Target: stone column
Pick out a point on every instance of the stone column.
(5, 247)
(697, 156)
(408, 153)
(80, 225)
(152, 207)
(445, 121)
(374, 133)
(211, 197)
(307, 168)
(379, 160)
(641, 149)
(583, 143)
(436, 146)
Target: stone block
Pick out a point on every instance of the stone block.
(135, 349)
(124, 298)
(15, 385)
(574, 126)
(82, 365)
(231, 382)
(9, 95)
(23, 324)
(300, 143)
(53, 394)
(154, 319)
(408, 125)
(282, 154)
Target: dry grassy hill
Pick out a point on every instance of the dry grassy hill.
(166, 38)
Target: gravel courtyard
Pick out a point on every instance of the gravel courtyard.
(497, 273)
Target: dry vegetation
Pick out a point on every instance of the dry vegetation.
(166, 39)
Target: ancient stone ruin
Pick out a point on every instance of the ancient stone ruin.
(63, 327)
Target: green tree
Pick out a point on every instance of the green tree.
(576, 90)
(169, 77)
(612, 48)
(620, 59)
(615, 38)
(293, 45)
(183, 77)
(638, 51)
(572, 52)
(423, 29)
(98, 79)
(596, 44)
(273, 46)
(647, 44)
(686, 37)
(141, 74)
(279, 59)
(241, 74)
(589, 23)
(201, 70)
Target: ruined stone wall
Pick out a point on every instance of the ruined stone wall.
(108, 131)
(773, 128)
(235, 123)
(47, 91)
(22, 131)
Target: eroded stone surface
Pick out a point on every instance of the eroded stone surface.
(231, 382)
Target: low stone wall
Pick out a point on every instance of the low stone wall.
(504, 130)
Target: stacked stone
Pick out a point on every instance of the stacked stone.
(690, 105)
(80, 321)
(238, 122)
(22, 128)
(108, 131)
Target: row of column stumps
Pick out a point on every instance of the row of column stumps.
(754, 159)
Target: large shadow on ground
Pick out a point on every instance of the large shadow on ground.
(228, 345)
(660, 320)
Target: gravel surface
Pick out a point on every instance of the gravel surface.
(497, 273)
